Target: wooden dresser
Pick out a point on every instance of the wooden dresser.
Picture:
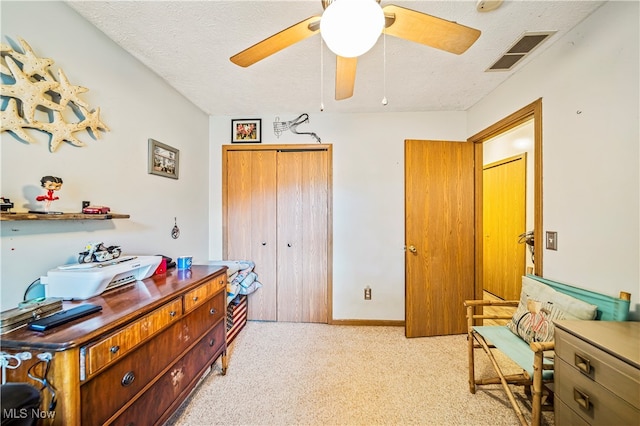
(136, 361)
(597, 373)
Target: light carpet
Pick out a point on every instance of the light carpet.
(318, 374)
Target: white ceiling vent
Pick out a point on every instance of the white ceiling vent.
(521, 48)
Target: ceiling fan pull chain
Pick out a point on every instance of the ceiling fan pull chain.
(384, 69)
(321, 78)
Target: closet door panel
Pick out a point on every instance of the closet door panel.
(302, 179)
(239, 205)
(315, 235)
(251, 218)
(289, 236)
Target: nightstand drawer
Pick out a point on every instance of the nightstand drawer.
(200, 294)
(599, 366)
(591, 401)
(115, 346)
(565, 415)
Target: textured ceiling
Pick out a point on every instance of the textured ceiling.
(189, 43)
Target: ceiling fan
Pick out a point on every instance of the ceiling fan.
(395, 21)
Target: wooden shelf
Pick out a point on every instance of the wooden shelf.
(63, 216)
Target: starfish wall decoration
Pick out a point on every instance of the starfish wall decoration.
(34, 87)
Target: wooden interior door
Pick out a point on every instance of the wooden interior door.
(439, 236)
(302, 234)
(250, 232)
(504, 219)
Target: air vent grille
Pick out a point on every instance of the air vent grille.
(519, 50)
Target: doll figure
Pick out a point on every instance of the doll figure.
(51, 184)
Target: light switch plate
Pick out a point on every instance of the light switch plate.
(552, 240)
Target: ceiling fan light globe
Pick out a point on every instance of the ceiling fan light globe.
(351, 27)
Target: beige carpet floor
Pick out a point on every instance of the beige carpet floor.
(317, 374)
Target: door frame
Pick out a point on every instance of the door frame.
(531, 111)
(287, 147)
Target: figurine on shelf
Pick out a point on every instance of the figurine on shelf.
(6, 204)
(51, 184)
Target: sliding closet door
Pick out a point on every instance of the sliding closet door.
(302, 235)
(250, 192)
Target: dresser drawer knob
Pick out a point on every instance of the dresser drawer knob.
(114, 349)
(582, 399)
(128, 378)
(212, 342)
(583, 364)
(195, 298)
(212, 311)
(172, 313)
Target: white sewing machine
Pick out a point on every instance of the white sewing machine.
(84, 280)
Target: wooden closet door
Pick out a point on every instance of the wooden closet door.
(504, 219)
(250, 193)
(302, 234)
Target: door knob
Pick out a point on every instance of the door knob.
(413, 249)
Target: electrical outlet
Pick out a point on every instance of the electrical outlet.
(552, 240)
(367, 293)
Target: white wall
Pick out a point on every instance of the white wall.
(591, 187)
(368, 197)
(136, 105)
(589, 85)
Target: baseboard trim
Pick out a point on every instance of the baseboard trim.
(387, 323)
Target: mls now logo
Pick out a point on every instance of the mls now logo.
(27, 413)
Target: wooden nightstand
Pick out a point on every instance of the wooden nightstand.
(597, 373)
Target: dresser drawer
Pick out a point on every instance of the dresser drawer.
(169, 390)
(103, 353)
(591, 401)
(142, 365)
(200, 294)
(599, 366)
(206, 315)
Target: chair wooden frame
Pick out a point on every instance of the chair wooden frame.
(537, 385)
(541, 396)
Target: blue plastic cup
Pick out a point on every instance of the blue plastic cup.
(184, 262)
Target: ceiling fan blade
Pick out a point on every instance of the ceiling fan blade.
(426, 29)
(345, 77)
(277, 42)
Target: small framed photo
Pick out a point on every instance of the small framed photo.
(246, 131)
(163, 159)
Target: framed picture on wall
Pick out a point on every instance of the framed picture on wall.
(246, 130)
(163, 159)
